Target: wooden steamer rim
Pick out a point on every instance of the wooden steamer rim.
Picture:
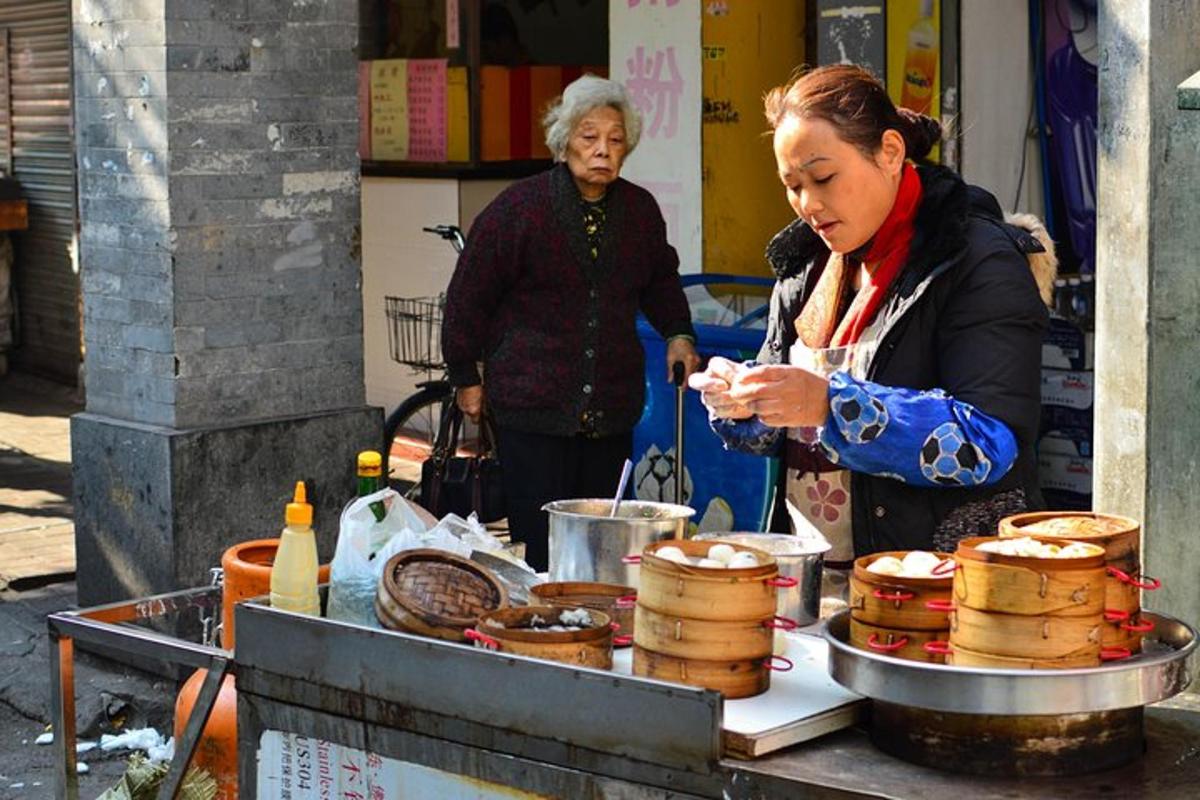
(414, 558)
(600, 630)
(767, 567)
(967, 550)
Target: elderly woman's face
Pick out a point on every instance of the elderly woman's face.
(596, 150)
(841, 193)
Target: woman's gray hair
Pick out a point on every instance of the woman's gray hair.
(582, 96)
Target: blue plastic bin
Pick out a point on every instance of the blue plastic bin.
(729, 490)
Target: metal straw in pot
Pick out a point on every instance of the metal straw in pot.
(625, 470)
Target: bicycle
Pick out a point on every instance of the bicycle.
(414, 340)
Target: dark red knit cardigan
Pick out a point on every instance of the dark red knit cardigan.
(554, 329)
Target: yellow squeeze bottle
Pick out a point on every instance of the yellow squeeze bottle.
(294, 573)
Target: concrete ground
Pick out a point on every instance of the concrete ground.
(36, 529)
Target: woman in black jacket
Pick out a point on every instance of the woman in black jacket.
(900, 377)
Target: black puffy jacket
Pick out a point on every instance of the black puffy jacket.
(965, 316)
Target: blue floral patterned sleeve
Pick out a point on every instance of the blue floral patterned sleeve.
(922, 438)
(751, 436)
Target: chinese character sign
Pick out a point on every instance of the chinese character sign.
(654, 47)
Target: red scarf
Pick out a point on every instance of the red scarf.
(818, 324)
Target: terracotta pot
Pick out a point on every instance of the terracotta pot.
(247, 568)
(216, 752)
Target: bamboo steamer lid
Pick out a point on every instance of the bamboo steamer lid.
(1024, 585)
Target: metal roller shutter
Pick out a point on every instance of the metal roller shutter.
(43, 160)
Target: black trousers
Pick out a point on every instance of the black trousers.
(539, 469)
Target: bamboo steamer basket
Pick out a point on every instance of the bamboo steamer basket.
(959, 656)
(889, 601)
(703, 640)
(733, 679)
(1025, 635)
(1120, 538)
(589, 647)
(691, 592)
(613, 599)
(1028, 586)
(906, 644)
(437, 594)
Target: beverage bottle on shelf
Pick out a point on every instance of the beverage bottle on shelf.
(294, 572)
(1062, 300)
(370, 473)
(920, 62)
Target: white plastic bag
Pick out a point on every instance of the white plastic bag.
(363, 547)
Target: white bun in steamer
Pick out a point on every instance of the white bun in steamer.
(742, 560)
(886, 565)
(711, 563)
(671, 553)
(721, 552)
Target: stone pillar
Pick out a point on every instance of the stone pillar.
(219, 245)
(1148, 281)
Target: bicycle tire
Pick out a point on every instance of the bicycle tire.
(432, 398)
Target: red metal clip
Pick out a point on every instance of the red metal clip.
(482, 638)
(626, 601)
(937, 647)
(898, 596)
(769, 663)
(634, 559)
(1138, 627)
(1149, 584)
(784, 582)
(873, 643)
(939, 605)
(1115, 615)
(622, 641)
(779, 623)
(940, 570)
(1114, 653)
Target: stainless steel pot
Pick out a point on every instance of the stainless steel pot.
(588, 545)
(798, 558)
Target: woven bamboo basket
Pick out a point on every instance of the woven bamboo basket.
(906, 644)
(733, 679)
(1025, 635)
(888, 601)
(437, 594)
(613, 599)
(692, 592)
(590, 647)
(704, 640)
(1031, 586)
(1120, 538)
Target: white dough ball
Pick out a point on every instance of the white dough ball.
(743, 560)
(918, 563)
(671, 553)
(886, 565)
(710, 563)
(721, 552)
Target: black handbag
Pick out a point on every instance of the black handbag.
(454, 484)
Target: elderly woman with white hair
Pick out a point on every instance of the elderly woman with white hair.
(546, 295)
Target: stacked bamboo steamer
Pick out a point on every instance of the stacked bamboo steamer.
(705, 626)
(897, 616)
(1023, 612)
(1123, 627)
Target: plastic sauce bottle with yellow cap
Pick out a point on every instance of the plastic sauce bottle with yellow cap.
(294, 573)
(370, 472)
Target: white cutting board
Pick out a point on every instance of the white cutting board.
(801, 704)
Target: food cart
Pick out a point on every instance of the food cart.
(476, 723)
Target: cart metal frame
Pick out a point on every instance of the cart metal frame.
(112, 626)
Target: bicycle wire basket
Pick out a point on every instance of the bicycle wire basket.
(415, 331)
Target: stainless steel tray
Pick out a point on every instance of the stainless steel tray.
(1163, 670)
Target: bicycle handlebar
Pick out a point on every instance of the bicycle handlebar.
(451, 233)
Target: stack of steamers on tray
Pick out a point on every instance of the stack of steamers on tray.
(1055, 590)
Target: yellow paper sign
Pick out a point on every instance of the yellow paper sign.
(389, 110)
